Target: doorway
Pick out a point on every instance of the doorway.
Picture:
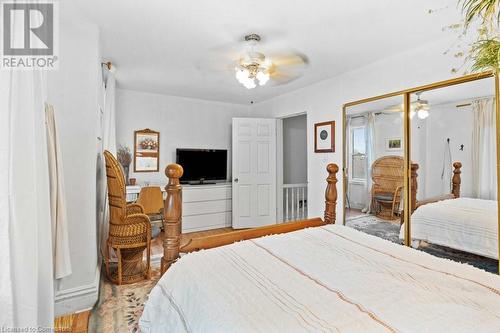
(292, 168)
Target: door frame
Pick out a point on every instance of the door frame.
(279, 161)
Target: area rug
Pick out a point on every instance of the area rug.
(120, 307)
(378, 227)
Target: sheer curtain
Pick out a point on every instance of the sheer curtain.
(370, 152)
(60, 248)
(108, 143)
(484, 177)
(27, 294)
(26, 263)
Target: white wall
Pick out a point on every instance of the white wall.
(323, 101)
(456, 124)
(182, 123)
(73, 90)
(295, 150)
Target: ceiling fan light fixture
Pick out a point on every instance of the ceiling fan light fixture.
(263, 78)
(422, 113)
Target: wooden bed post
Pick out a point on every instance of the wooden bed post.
(172, 216)
(456, 179)
(331, 194)
(414, 186)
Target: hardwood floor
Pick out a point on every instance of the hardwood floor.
(352, 212)
(157, 242)
(74, 323)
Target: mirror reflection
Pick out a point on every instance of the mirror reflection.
(374, 161)
(454, 181)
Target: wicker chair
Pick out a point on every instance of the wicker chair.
(387, 179)
(129, 230)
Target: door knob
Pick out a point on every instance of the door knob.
(235, 180)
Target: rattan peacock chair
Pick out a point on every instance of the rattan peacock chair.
(387, 187)
(129, 230)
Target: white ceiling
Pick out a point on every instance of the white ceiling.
(162, 46)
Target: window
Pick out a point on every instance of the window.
(358, 154)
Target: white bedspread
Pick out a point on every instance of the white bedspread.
(464, 224)
(325, 279)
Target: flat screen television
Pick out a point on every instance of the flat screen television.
(202, 166)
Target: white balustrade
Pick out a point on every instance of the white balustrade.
(294, 202)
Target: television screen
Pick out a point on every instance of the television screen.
(202, 164)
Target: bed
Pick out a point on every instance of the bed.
(313, 276)
(464, 224)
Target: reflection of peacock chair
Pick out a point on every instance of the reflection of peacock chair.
(387, 178)
(129, 230)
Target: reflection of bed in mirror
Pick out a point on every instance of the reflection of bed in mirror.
(465, 224)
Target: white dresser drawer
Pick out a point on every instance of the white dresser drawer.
(206, 207)
(201, 193)
(206, 222)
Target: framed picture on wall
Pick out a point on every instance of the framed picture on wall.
(324, 137)
(394, 144)
(146, 151)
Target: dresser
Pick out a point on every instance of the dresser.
(204, 207)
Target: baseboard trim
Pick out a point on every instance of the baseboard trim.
(78, 299)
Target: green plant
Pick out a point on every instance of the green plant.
(485, 52)
(485, 9)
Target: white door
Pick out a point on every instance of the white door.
(254, 172)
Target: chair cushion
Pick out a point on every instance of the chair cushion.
(384, 197)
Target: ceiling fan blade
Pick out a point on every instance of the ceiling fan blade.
(285, 60)
(280, 78)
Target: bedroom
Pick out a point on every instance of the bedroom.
(159, 71)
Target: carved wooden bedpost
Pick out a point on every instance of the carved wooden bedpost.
(456, 180)
(331, 194)
(172, 216)
(414, 186)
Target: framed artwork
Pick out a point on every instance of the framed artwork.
(324, 137)
(394, 144)
(146, 151)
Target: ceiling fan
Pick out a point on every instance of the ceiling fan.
(256, 64)
(420, 107)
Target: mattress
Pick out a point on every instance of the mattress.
(465, 224)
(323, 279)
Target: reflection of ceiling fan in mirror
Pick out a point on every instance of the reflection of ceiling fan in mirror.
(256, 64)
(420, 107)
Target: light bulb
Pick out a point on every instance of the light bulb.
(422, 114)
(263, 78)
(242, 75)
(249, 83)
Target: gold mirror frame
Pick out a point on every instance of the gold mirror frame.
(406, 94)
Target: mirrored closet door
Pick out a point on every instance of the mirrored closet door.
(374, 166)
(454, 172)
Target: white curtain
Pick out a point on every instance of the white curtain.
(26, 269)
(484, 171)
(27, 290)
(370, 155)
(108, 143)
(60, 245)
